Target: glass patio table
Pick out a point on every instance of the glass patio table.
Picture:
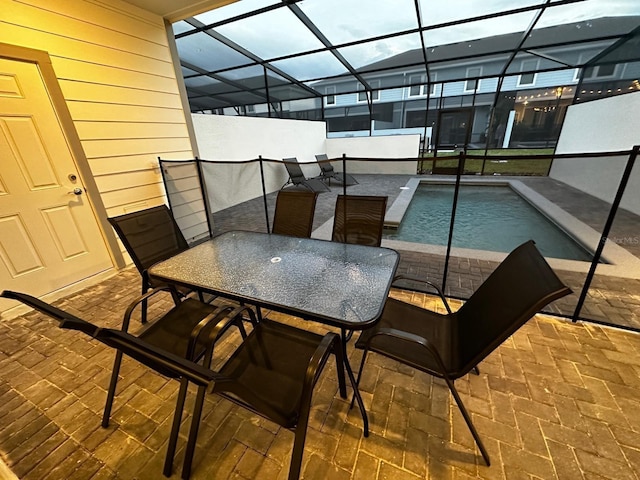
(333, 283)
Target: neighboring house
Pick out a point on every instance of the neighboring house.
(534, 90)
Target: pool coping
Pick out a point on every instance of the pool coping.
(620, 262)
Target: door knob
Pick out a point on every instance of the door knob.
(76, 191)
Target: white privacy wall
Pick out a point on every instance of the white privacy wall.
(603, 125)
(238, 139)
(221, 137)
(392, 146)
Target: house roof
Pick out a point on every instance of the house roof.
(572, 33)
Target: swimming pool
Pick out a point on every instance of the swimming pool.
(488, 217)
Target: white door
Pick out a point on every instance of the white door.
(49, 237)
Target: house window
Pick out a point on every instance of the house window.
(600, 71)
(375, 93)
(418, 87)
(606, 70)
(597, 71)
(330, 99)
(472, 83)
(528, 78)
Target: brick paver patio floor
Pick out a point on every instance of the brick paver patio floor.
(557, 400)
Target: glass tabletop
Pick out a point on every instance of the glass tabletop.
(338, 284)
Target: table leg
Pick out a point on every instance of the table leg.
(356, 391)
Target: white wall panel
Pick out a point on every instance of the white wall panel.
(391, 146)
(114, 66)
(223, 137)
(600, 126)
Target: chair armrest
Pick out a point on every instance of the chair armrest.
(65, 319)
(426, 282)
(320, 356)
(221, 326)
(415, 339)
(129, 311)
(156, 358)
(221, 319)
(326, 346)
(226, 322)
(215, 317)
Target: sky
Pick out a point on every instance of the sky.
(279, 33)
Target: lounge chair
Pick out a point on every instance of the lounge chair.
(450, 345)
(297, 178)
(327, 172)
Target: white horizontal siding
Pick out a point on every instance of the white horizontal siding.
(555, 78)
(114, 67)
(511, 83)
(105, 166)
(488, 85)
(346, 99)
(391, 95)
(94, 130)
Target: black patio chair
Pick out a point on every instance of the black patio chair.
(294, 213)
(359, 219)
(150, 236)
(327, 172)
(185, 331)
(297, 178)
(273, 374)
(450, 345)
(169, 346)
(65, 320)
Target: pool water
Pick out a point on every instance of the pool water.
(493, 218)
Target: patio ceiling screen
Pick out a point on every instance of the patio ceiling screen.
(279, 58)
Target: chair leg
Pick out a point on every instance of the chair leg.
(175, 428)
(112, 389)
(193, 433)
(298, 450)
(467, 418)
